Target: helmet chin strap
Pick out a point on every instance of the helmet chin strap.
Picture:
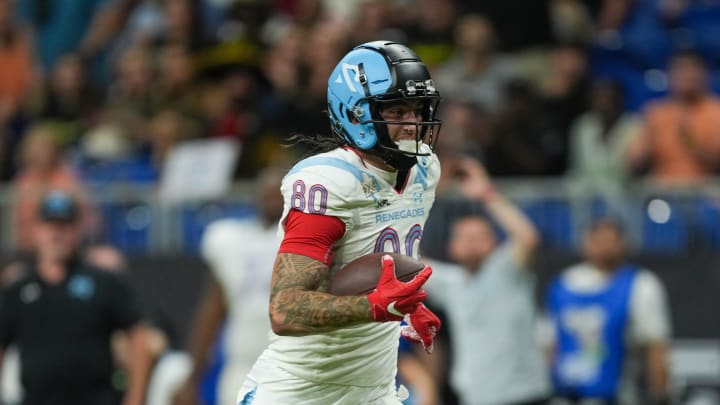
(398, 160)
(394, 157)
(401, 155)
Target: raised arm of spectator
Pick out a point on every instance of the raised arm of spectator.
(475, 184)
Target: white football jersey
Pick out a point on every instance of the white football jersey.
(241, 254)
(377, 218)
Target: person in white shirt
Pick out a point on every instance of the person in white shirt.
(608, 316)
(488, 297)
(236, 251)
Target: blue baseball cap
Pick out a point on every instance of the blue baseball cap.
(58, 206)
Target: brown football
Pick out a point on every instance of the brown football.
(361, 275)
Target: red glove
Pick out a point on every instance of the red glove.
(392, 298)
(422, 326)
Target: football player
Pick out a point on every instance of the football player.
(370, 189)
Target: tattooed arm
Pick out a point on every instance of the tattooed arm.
(298, 305)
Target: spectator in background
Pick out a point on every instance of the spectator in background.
(131, 96)
(488, 298)
(598, 167)
(467, 129)
(106, 25)
(610, 15)
(61, 27)
(181, 25)
(430, 33)
(372, 19)
(61, 316)
(42, 169)
(16, 61)
(240, 254)
(324, 44)
(284, 105)
(16, 79)
(175, 79)
(165, 130)
(474, 74)
(599, 140)
(519, 24)
(306, 13)
(563, 98)
(680, 140)
(610, 318)
(245, 109)
(68, 100)
(241, 106)
(108, 258)
(523, 143)
(530, 131)
(282, 62)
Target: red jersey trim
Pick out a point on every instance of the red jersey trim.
(357, 152)
(311, 235)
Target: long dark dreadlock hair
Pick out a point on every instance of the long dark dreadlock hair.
(315, 144)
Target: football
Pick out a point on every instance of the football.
(361, 275)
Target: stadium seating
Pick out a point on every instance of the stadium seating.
(196, 217)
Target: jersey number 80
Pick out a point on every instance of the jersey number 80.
(316, 201)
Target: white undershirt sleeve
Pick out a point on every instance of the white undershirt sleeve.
(649, 316)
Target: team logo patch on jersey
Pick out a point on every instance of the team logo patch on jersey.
(81, 287)
(370, 185)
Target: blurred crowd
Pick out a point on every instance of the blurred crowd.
(100, 91)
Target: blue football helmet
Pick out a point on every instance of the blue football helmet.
(370, 75)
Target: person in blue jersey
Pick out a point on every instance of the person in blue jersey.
(609, 320)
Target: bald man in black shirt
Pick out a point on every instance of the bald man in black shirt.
(61, 315)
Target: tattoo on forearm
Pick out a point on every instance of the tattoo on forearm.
(299, 302)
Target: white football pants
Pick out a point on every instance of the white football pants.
(267, 384)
